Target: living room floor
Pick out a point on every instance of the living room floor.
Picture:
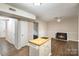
(59, 48)
(64, 48)
(7, 49)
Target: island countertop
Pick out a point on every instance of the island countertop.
(38, 41)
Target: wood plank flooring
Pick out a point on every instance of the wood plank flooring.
(59, 48)
(64, 48)
(7, 49)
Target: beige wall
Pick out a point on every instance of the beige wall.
(42, 28)
(30, 30)
(67, 25)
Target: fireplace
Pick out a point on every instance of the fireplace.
(60, 35)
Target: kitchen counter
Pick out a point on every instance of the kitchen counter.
(40, 47)
(38, 41)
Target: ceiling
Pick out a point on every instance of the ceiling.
(47, 11)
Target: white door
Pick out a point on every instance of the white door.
(11, 31)
(23, 33)
(2, 28)
(8, 29)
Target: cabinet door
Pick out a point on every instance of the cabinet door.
(33, 50)
(42, 50)
(2, 28)
(11, 31)
(48, 48)
(45, 49)
(23, 33)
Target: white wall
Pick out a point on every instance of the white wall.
(67, 25)
(30, 30)
(42, 28)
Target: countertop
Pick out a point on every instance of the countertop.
(38, 41)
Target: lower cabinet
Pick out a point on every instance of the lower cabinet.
(43, 50)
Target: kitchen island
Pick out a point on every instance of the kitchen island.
(40, 47)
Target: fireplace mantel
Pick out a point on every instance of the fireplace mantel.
(60, 39)
(63, 40)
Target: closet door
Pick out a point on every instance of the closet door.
(2, 28)
(11, 31)
(23, 33)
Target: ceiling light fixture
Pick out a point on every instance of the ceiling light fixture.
(36, 4)
(58, 20)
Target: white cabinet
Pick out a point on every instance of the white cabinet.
(2, 28)
(22, 33)
(25, 30)
(17, 32)
(43, 50)
(12, 31)
(33, 50)
(8, 29)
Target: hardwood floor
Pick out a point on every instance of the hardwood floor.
(7, 49)
(23, 51)
(64, 48)
(59, 48)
